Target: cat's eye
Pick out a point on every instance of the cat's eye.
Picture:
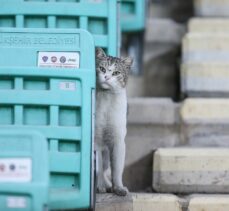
(116, 73)
(102, 69)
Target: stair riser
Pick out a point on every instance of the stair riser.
(191, 170)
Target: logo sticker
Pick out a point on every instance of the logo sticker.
(45, 58)
(15, 170)
(12, 167)
(2, 167)
(53, 59)
(96, 1)
(59, 59)
(62, 59)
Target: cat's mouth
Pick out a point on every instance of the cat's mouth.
(105, 85)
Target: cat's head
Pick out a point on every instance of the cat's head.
(112, 72)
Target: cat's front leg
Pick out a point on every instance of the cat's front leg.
(107, 169)
(117, 166)
(103, 180)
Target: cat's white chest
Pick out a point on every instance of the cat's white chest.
(111, 112)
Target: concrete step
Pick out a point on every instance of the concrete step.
(138, 202)
(208, 25)
(186, 170)
(212, 8)
(179, 10)
(157, 111)
(210, 48)
(205, 122)
(135, 86)
(164, 30)
(205, 79)
(152, 123)
(162, 202)
(160, 123)
(209, 203)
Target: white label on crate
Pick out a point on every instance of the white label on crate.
(67, 86)
(59, 59)
(16, 202)
(15, 170)
(96, 1)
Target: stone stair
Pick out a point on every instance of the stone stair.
(208, 25)
(211, 8)
(179, 151)
(191, 170)
(204, 71)
(205, 122)
(152, 123)
(188, 142)
(162, 202)
(138, 202)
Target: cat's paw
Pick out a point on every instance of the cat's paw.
(120, 191)
(101, 190)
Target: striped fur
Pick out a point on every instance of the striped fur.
(116, 69)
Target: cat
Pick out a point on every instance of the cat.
(111, 114)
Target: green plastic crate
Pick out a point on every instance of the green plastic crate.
(133, 14)
(24, 177)
(99, 17)
(56, 101)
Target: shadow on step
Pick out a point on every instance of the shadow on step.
(138, 176)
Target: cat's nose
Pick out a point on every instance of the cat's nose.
(107, 77)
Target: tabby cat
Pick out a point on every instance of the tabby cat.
(111, 114)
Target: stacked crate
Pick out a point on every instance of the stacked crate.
(133, 18)
(133, 15)
(99, 17)
(39, 95)
(57, 102)
(24, 167)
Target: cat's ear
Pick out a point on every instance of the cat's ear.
(100, 53)
(128, 61)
